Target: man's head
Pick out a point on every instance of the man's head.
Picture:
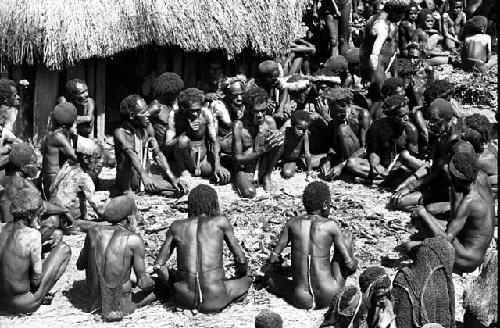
(26, 206)
(393, 86)
(300, 122)
(298, 88)
(462, 170)
(339, 100)
(458, 7)
(338, 65)
(474, 138)
(268, 74)
(439, 114)
(316, 198)
(426, 19)
(135, 110)
(203, 200)
(215, 73)
(89, 154)
(395, 10)
(64, 114)
(323, 79)
(166, 88)
(481, 124)
(268, 319)
(415, 54)
(406, 70)
(77, 92)
(233, 89)
(439, 89)
(122, 209)
(22, 157)
(255, 101)
(191, 102)
(412, 12)
(476, 25)
(376, 285)
(397, 107)
(8, 93)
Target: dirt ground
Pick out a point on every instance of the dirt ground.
(358, 208)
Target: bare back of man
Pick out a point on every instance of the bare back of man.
(316, 278)
(24, 280)
(55, 149)
(200, 283)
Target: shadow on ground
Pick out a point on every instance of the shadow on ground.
(78, 295)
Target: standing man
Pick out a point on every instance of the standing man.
(77, 93)
(108, 255)
(9, 104)
(316, 278)
(132, 140)
(199, 281)
(56, 147)
(25, 281)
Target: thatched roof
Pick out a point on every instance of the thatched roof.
(62, 32)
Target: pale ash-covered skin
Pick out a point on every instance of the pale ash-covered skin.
(317, 282)
(116, 263)
(24, 279)
(200, 283)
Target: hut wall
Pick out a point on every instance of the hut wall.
(46, 93)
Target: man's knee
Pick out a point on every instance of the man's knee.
(63, 250)
(244, 185)
(351, 164)
(183, 142)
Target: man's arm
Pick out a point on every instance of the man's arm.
(144, 281)
(88, 189)
(167, 248)
(36, 259)
(455, 225)
(382, 31)
(339, 246)
(307, 153)
(170, 138)
(239, 157)
(365, 119)
(159, 157)
(239, 257)
(128, 149)
(64, 145)
(282, 241)
(82, 262)
(90, 113)
(412, 138)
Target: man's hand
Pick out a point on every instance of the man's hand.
(146, 283)
(275, 259)
(322, 107)
(222, 175)
(149, 186)
(280, 116)
(374, 62)
(181, 185)
(396, 197)
(271, 106)
(418, 212)
(351, 266)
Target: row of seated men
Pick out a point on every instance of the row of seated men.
(420, 294)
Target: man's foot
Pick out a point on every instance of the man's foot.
(47, 300)
(241, 298)
(268, 184)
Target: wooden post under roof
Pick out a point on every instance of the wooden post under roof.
(90, 78)
(100, 98)
(20, 125)
(177, 61)
(46, 92)
(189, 76)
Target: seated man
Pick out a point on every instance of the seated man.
(73, 187)
(57, 146)
(227, 111)
(25, 281)
(132, 140)
(77, 93)
(390, 140)
(9, 104)
(453, 22)
(391, 87)
(487, 155)
(257, 145)
(430, 184)
(423, 292)
(166, 89)
(407, 28)
(317, 278)
(190, 129)
(428, 36)
(108, 255)
(476, 51)
(296, 146)
(471, 226)
(199, 281)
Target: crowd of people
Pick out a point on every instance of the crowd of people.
(370, 111)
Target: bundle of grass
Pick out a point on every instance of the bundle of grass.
(481, 295)
(424, 292)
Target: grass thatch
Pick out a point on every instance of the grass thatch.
(62, 32)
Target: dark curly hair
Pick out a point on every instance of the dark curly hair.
(392, 103)
(481, 124)
(475, 25)
(438, 89)
(5, 89)
(444, 107)
(398, 7)
(466, 164)
(253, 97)
(422, 17)
(369, 276)
(190, 96)
(324, 72)
(71, 88)
(334, 94)
(166, 87)
(336, 63)
(268, 319)
(474, 138)
(390, 86)
(203, 200)
(405, 67)
(25, 204)
(315, 195)
(129, 105)
(300, 115)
